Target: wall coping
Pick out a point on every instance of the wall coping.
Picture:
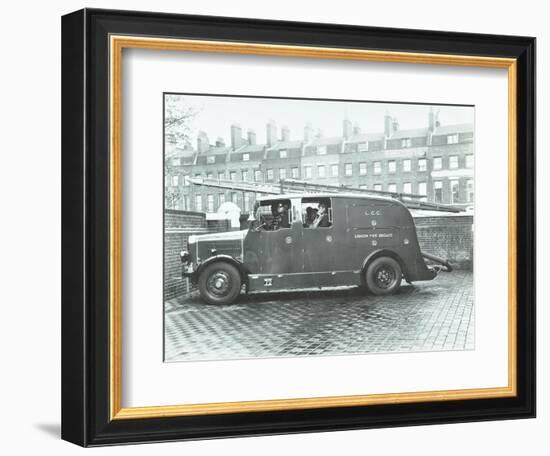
(180, 212)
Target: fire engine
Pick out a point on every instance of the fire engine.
(312, 240)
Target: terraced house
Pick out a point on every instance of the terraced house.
(434, 160)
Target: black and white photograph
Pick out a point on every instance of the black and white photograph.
(316, 227)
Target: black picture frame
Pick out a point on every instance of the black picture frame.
(86, 415)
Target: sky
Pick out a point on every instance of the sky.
(215, 114)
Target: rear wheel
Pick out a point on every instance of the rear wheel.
(220, 283)
(383, 276)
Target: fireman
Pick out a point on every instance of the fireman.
(321, 221)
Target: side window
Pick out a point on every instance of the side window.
(316, 213)
(273, 215)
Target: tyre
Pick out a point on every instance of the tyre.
(220, 283)
(383, 276)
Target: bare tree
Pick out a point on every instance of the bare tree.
(178, 119)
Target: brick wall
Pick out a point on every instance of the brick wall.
(178, 226)
(449, 237)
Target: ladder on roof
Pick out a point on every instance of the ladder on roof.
(240, 186)
(410, 200)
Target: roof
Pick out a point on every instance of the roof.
(413, 133)
(457, 128)
(216, 151)
(326, 141)
(182, 153)
(247, 148)
(286, 145)
(364, 137)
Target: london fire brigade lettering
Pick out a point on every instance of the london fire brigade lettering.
(373, 235)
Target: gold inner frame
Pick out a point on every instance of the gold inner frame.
(117, 44)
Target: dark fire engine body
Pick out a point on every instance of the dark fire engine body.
(371, 242)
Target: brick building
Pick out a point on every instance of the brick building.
(434, 160)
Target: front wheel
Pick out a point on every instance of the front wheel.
(384, 276)
(220, 283)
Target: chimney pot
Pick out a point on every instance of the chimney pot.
(236, 136)
(202, 142)
(285, 134)
(347, 129)
(308, 133)
(251, 137)
(271, 133)
(387, 125)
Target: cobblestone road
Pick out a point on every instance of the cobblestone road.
(426, 316)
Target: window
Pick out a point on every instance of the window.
(469, 161)
(247, 201)
(407, 187)
(257, 175)
(186, 181)
(406, 142)
(454, 191)
(221, 175)
(362, 169)
(470, 187)
(295, 172)
(210, 203)
(407, 165)
(185, 202)
(453, 162)
(269, 175)
(273, 215)
(377, 167)
(307, 172)
(452, 139)
(392, 188)
(209, 175)
(363, 186)
(222, 198)
(198, 203)
(175, 181)
(377, 187)
(176, 161)
(438, 163)
(392, 166)
(438, 191)
(348, 169)
(334, 170)
(246, 157)
(321, 150)
(211, 159)
(316, 213)
(234, 198)
(422, 189)
(233, 175)
(363, 147)
(321, 171)
(421, 164)
(244, 174)
(283, 153)
(282, 173)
